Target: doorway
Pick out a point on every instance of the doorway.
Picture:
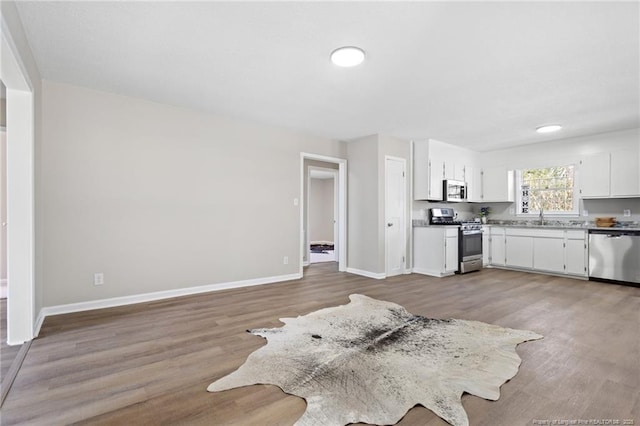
(337, 168)
(395, 214)
(322, 213)
(20, 221)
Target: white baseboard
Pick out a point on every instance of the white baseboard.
(368, 274)
(3, 282)
(149, 297)
(432, 273)
(306, 263)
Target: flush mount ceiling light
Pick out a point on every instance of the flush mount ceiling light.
(347, 56)
(549, 128)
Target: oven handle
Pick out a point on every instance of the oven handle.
(472, 232)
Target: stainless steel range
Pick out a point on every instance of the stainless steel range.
(469, 238)
(470, 247)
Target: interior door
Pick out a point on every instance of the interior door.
(395, 239)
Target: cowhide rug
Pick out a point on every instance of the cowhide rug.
(371, 361)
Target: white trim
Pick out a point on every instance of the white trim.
(306, 263)
(341, 244)
(432, 272)
(368, 274)
(20, 192)
(158, 295)
(3, 282)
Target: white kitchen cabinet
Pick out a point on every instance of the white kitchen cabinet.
(595, 173)
(497, 246)
(486, 245)
(473, 177)
(497, 184)
(435, 250)
(428, 173)
(556, 251)
(436, 176)
(610, 175)
(454, 170)
(576, 253)
(548, 251)
(518, 250)
(625, 174)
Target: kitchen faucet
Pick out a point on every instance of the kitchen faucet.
(541, 216)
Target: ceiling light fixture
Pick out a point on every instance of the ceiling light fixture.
(347, 56)
(549, 128)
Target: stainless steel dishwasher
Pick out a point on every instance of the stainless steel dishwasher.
(614, 254)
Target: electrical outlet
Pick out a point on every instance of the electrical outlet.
(585, 213)
(285, 260)
(627, 213)
(98, 278)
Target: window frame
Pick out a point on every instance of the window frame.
(535, 212)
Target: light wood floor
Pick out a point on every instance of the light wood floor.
(7, 353)
(151, 363)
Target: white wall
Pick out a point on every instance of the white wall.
(568, 151)
(362, 211)
(561, 151)
(366, 199)
(321, 210)
(159, 198)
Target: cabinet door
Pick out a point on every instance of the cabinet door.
(474, 184)
(497, 184)
(595, 175)
(436, 176)
(497, 246)
(519, 251)
(486, 245)
(420, 170)
(576, 255)
(548, 254)
(625, 174)
(451, 254)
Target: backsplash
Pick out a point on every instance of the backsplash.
(502, 211)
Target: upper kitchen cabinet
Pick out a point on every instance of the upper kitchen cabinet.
(610, 175)
(497, 184)
(428, 173)
(594, 175)
(435, 161)
(625, 174)
(454, 170)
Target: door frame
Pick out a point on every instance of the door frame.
(403, 161)
(336, 237)
(341, 246)
(20, 134)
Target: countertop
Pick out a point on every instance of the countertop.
(551, 224)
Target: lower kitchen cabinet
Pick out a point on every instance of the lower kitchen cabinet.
(556, 251)
(576, 253)
(518, 249)
(548, 253)
(496, 246)
(435, 250)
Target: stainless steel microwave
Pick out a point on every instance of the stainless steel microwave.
(454, 190)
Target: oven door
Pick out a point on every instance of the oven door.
(470, 245)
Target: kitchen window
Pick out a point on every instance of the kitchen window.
(550, 189)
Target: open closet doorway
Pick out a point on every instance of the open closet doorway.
(327, 176)
(322, 214)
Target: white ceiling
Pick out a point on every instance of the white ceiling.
(479, 74)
